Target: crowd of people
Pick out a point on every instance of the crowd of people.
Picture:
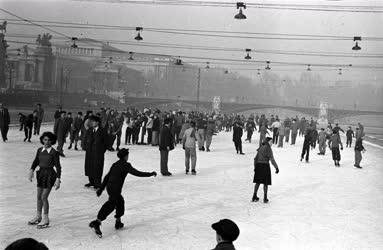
(103, 131)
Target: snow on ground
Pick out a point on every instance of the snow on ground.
(312, 206)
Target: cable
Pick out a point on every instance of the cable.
(198, 32)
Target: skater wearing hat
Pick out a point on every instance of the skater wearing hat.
(262, 173)
(46, 158)
(95, 144)
(334, 143)
(226, 232)
(114, 182)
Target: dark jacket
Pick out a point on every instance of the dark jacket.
(224, 246)
(359, 145)
(156, 125)
(237, 133)
(60, 128)
(166, 139)
(28, 121)
(114, 180)
(4, 118)
(264, 155)
(95, 145)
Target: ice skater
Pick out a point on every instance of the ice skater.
(306, 144)
(46, 158)
(113, 182)
(237, 135)
(358, 152)
(334, 143)
(349, 135)
(262, 172)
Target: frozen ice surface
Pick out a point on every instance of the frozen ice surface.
(312, 206)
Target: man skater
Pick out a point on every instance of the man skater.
(28, 126)
(114, 182)
(237, 135)
(4, 122)
(275, 126)
(349, 135)
(250, 126)
(95, 144)
(166, 144)
(307, 144)
(39, 118)
(75, 130)
(334, 143)
(322, 137)
(210, 130)
(294, 131)
(358, 152)
(188, 142)
(61, 132)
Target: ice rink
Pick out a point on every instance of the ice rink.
(312, 206)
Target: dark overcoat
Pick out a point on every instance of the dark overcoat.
(95, 146)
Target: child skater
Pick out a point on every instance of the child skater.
(113, 182)
(46, 158)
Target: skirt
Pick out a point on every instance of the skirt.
(46, 177)
(262, 173)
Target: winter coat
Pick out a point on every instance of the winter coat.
(4, 118)
(237, 133)
(210, 129)
(224, 246)
(95, 144)
(294, 127)
(359, 145)
(188, 140)
(166, 139)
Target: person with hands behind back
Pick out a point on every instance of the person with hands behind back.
(46, 158)
(113, 182)
(262, 172)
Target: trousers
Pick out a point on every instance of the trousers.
(190, 154)
(209, 138)
(164, 161)
(201, 138)
(115, 202)
(358, 157)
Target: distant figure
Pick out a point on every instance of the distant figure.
(188, 142)
(166, 145)
(358, 152)
(322, 137)
(349, 135)
(306, 144)
(26, 244)
(226, 233)
(334, 143)
(39, 118)
(237, 135)
(4, 122)
(294, 131)
(28, 126)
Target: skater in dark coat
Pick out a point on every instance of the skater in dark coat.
(95, 145)
(61, 132)
(334, 143)
(349, 135)
(306, 144)
(237, 135)
(262, 173)
(359, 148)
(226, 232)
(166, 145)
(4, 122)
(28, 126)
(46, 158)
(113, 182)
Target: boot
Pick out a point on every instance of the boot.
(96, 226)
(44, 222)
(70, 146)
(255, 198)
(118, 224)
(36, 220)
(193, 172)
(75, 147)
(265, 200)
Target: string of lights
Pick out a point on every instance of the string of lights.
(199, 32)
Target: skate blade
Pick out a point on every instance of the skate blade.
(42, 226)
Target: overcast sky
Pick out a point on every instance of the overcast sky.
(219, 18)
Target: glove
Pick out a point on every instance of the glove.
(154, 173)
(277, 170)
(99, 192)
(30, 175)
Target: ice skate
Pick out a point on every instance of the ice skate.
(70, 146)
(44, 222)
(187, 172)
(265, 200)
(194, 172)
(36, 220)
(118, 225)
(254, 199)
(96, 226)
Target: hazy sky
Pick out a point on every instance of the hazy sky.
(219, 18)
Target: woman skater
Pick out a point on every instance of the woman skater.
(46, 158)
(113, 182)
(262, 173)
